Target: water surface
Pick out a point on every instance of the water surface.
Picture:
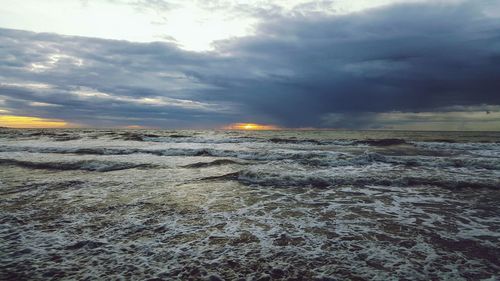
(280, 205)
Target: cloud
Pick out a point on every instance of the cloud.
(96, 79)
(297, 70)
(403, 57)
(43, 104)
(193, 24)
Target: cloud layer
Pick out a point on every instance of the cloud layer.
(392, 64)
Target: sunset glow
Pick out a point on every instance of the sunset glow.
(250, 127)
(30, 122)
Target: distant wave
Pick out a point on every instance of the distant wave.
(317, 158)
(87, 165)
(242, 154)
(381, 142)
(217, 162)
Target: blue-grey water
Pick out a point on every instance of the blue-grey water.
(231, 205)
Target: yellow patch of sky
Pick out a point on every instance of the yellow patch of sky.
(13, 121)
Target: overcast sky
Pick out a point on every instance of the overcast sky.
(356, 64)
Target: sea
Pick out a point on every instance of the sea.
(121, 204)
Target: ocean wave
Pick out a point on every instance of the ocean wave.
(294, 141)
(429, 161)
(220, 139)
(361, 177)
(443, 162)
(313, 158)
(194, 139)
(87, 165)
(218, 162)
(39, 134)
(367, 158)
(275, 154)
(381, 142)
(469, 146)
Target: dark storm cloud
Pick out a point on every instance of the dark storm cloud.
(296, 71)
(405, 57)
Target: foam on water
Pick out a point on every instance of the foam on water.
(110, 204)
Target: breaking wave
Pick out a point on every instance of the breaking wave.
(377, 174)
(318, 158)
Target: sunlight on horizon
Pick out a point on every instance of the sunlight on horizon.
(251, 127)
(25, 122)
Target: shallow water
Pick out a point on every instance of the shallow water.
(283, 205)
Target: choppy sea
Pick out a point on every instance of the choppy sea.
(249, 205)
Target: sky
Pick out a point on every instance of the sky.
(193, 64)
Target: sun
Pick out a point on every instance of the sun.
(250, 127)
